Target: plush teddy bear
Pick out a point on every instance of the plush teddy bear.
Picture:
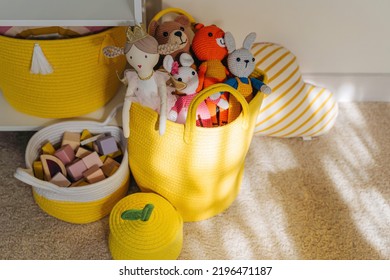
(174, 37)
(241, 63)
(186, 75)
(209, 47)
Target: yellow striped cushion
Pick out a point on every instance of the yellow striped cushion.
(294, 108)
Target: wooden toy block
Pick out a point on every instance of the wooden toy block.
(71, 138)
(65, 154)
(94, 174)
(38, 169)
(75, 169)
(79, 183)
(92, 159)
(107, 145)
(103, 158)
(60, 180)
(91, 139)
(48, 149)
(51, 166)
(116, 154)
(95, 146)
(110, 166)
(81, 152)
(85, 134)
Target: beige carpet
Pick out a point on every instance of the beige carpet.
(323, 199)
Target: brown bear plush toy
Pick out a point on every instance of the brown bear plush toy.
(174, 37)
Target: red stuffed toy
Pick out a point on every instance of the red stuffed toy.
(209, 47)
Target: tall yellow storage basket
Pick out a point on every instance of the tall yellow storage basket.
(83, 80)
(199, 170)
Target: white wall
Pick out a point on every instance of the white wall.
(334, 40)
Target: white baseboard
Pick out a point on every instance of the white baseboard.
(353, 87)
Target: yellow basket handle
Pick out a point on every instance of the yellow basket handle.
(166, 11)
(190, 123)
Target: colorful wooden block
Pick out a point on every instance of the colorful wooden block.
(91, 139)
(71, 138)
(95, 146)
(85, 134)
(48, 149)
(81, 152)
(51, 166)
(103, 158)
(116, 154)
(110, 166)
(92, 159)
(60, 180)
(106, 145)
(75, 170)
(94, 174)
(65, 154)
(79, 183)
(38, 169)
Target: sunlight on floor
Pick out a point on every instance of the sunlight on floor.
(271, 228)
(322, 199)
(371, 219)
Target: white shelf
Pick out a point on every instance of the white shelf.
(70, 12)
(12, 120)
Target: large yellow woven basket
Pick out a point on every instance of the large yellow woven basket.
(83, 80)
(199, 170)
(77, 205)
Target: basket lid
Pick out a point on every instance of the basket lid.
(145, 226)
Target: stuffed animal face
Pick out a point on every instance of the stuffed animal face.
(241, 62)
(142, 62)
(184, 74)
(174, 37)
(188, 76)
(209, 43)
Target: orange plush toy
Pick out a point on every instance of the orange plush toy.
(209, 47)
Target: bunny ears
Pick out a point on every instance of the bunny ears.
(231, 44)
(172, 67)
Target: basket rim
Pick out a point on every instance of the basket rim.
(78, 126)
(61, 40)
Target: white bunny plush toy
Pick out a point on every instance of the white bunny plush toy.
(186, 76)
(241, 63)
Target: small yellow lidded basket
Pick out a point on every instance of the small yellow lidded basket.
(145, 226)
(77, 205)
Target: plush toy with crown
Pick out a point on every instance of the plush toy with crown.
(144, 85)
(187, 81)
(209, 47)
(241, 63)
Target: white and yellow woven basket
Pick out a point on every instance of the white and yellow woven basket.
(76, 204)
(82, 81)
(155, 236)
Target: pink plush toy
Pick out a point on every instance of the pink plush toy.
(186, 75)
